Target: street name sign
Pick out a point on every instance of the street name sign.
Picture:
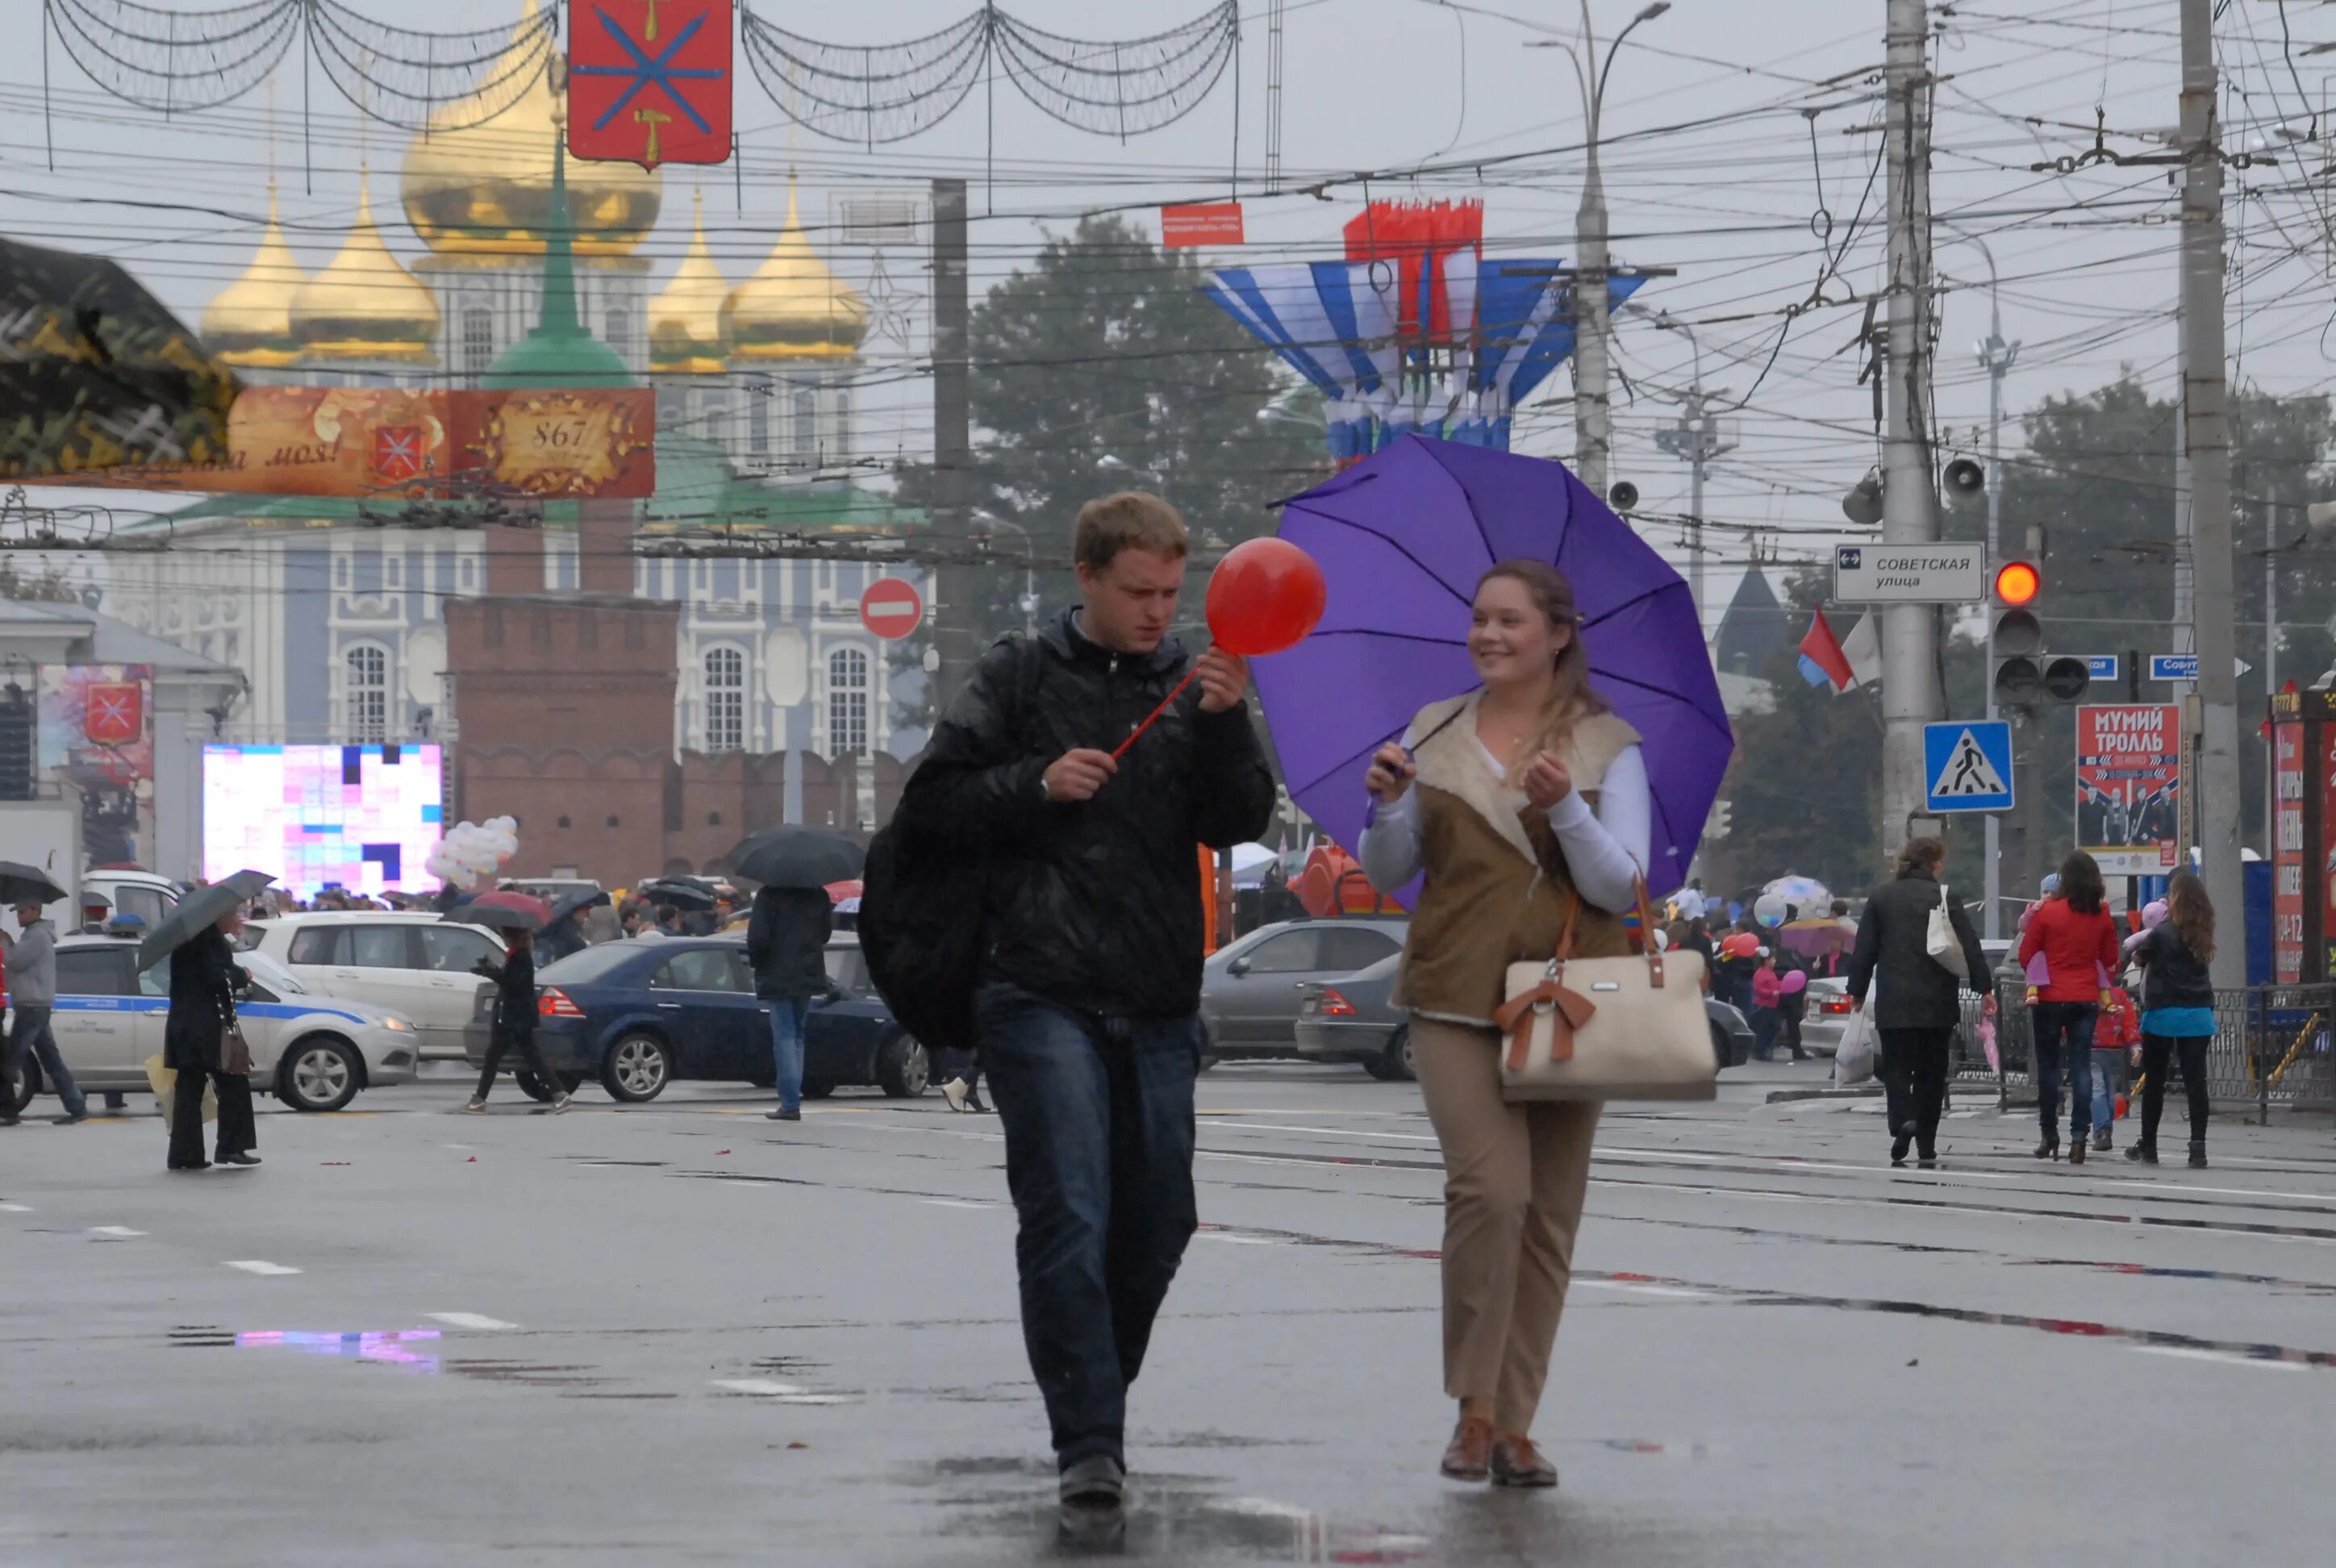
(1967, 765)
(2100, 666)
(1937, 573)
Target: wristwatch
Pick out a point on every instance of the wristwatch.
(1045, 793)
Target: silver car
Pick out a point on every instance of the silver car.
(312, 1052)
(1253, 989)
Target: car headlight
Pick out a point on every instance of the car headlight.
(397, 1026)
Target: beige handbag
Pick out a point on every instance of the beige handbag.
(1625, 1029)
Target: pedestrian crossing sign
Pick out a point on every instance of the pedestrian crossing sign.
(1967, 764)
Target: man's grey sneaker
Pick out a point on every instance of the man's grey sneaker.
(1098, 1483)
(476, 1108)
(559, 1105)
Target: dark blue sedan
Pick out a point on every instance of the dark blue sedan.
(639, 1014)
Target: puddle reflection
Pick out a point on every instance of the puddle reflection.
(391, 1347)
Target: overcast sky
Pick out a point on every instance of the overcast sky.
(1712, 167)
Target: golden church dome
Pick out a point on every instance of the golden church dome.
(793, 307)
(686, 318)
(250, 321)
(364, 304)
(476, 185)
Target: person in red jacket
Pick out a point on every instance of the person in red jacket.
(2073, 932)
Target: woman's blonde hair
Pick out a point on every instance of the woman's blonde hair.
(1571, 699)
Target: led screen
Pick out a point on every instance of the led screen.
(362, 816)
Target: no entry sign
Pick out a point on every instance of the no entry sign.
(891, 608)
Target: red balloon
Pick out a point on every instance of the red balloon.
(1741, 945)
(1264, 597)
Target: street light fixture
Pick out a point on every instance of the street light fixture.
(1593, 412)
(992, 523)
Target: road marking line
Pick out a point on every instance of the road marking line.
(2225, 1357)
(469, 1320)
(16, 1208)
(114, 1231)
(1237, 1241)
(258, 1266)
(1648, 1289)
(955, 1204)
(761, 1387)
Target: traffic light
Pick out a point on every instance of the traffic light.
(2024, 674)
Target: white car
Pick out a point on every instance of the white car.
(312, 1052)
(415, 964)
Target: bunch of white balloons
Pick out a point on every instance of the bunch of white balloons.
(474, 851)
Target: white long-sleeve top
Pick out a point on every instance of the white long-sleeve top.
(1605, 850)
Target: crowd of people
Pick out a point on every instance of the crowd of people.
(1523, 807)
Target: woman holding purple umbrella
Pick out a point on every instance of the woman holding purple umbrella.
(1525, 805)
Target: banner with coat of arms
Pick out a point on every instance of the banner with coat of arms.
(96, 730)
(648, 81)
(394, 443)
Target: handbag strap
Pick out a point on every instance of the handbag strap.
(1647, 948)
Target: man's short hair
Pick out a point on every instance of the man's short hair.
(1131, 520)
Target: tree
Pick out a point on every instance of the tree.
(2097, 476)
(1101, 367)
(1804, 787)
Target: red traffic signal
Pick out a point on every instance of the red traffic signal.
(2017, 582)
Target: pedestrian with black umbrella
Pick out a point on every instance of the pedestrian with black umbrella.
(786, 938)
(515, 997)
(201, 1039)
(33, 991)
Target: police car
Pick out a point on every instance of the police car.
(312, 1052)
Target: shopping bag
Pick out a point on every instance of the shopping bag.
(1940, 940)
(1854, 1062)
(166, 1082)
(1987, 1043)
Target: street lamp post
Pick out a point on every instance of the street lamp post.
(1592, 412)
(1695, 440)
(1995, 356)
(992, 522)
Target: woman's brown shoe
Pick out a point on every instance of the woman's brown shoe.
(1467, 1458)
(1515, 1462)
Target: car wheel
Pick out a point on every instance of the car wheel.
(18, 1092)
(637, 1068)
(1719, 1046)
(903, 1067)
(318, 1074)
(1377, 1067)
(533, 1087)
(1395, 1065)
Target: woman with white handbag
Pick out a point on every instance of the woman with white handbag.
(1916, 943)
(1527, 805)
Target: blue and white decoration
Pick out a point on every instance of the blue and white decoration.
(1335, 324)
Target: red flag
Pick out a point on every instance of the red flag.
(114, 712)
(648, 81)
(1821, 661)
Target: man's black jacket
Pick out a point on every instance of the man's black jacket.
(786, 941)
(1096, 904)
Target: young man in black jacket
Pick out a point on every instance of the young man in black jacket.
(1088, 1006)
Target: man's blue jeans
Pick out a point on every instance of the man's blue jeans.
(2064, 1037)
(1098, 1119)
(32, 1037)
(787, 1016)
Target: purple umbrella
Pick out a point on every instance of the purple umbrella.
(1402, 538)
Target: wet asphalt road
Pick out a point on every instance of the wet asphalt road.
(680, 1333)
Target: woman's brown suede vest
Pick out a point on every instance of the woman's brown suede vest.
(1496, 889)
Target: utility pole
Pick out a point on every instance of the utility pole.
(1911, 696)
(953, 615)
(1995, 357)
(2206, 429)
(1696, 440)
(1593, 427)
